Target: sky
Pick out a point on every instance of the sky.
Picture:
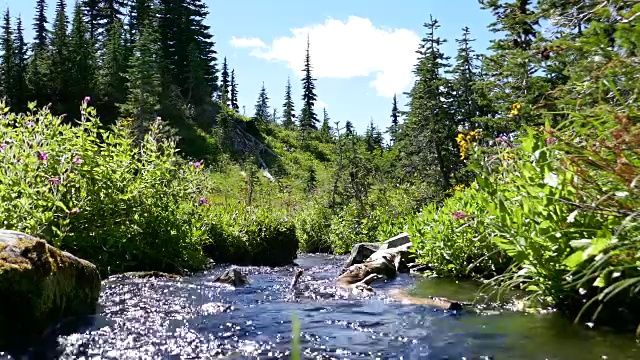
(362, 51)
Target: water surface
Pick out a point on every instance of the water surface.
(194, 318)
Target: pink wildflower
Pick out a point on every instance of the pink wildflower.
(74, 211)
(203, 201)
(87, 99)
(55, 181)
(42, 156)
(3, 147)
(78, 160)
(197, 164)
(30, 124)
(550, 141)
(459, 215)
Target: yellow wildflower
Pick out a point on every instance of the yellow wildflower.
(464, 141)
(515, 109)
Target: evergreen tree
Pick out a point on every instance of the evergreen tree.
(234, 91)
(139, 12)
(225, 84)
(262, 114)
(20, 75)
(91, 10)
(60, 59)
(188, 50)
(144, 86)
(428, 139)
(7, 66)
(82, 61)
(373, 138)
(464, 79)
(325, 130)
(112, 83)
(39, 67)
(513, 66)
(110, 11)
(288, 112)
(395, 122)
(308, 117)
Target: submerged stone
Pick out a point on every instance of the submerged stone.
(232, 277)
(41, 285)
(360, 253)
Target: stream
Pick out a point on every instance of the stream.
(195, 318)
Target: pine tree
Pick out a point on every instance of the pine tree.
(91, 10)
(464, 79)
(428, 133)
(112, 83)
(288, 112)
(325, 130)
(39, 67)
(234, 91)
(225, 84)
(513, 65)
(308, 117)
(60, 70)
(262, 114)
(395, 119)
(144, 85)
(188, 50)
(7, 66)
(110, 11)
(139, 12)
(20, 75)
(82, 61)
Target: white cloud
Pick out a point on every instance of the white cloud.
(321, 104)
(345, 50)
(247, 42)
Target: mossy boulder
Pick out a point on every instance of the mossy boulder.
(41, 285)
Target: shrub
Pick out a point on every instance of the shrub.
(313, 228)
(250, 236)
(451, 240)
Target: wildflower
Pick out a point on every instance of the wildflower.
(55, 181)
(203, 201)
(42, 156)
(501, 139)
(459, 215)
(550, 141)
(87, 99)
(78, 160)
(197, 164)
(515, 109)
(74, 211)
(3, 146)
(464, 141)
(30, 124)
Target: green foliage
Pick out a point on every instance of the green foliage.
(255, 236)
(451, 238)
(313, 228)
(124, 205)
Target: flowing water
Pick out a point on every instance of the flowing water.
(194, 318)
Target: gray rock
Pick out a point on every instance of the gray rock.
(360, 253)
(232, 277)
(41, 285)
(396, 241)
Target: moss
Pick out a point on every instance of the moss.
(41, 285)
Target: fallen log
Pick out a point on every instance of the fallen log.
(438, 302)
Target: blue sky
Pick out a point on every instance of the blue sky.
(362, 50)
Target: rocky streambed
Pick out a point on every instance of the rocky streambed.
(198, 317)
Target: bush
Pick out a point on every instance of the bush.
(127, 205)
(250, 236)
(313, 228)
(451, 239)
